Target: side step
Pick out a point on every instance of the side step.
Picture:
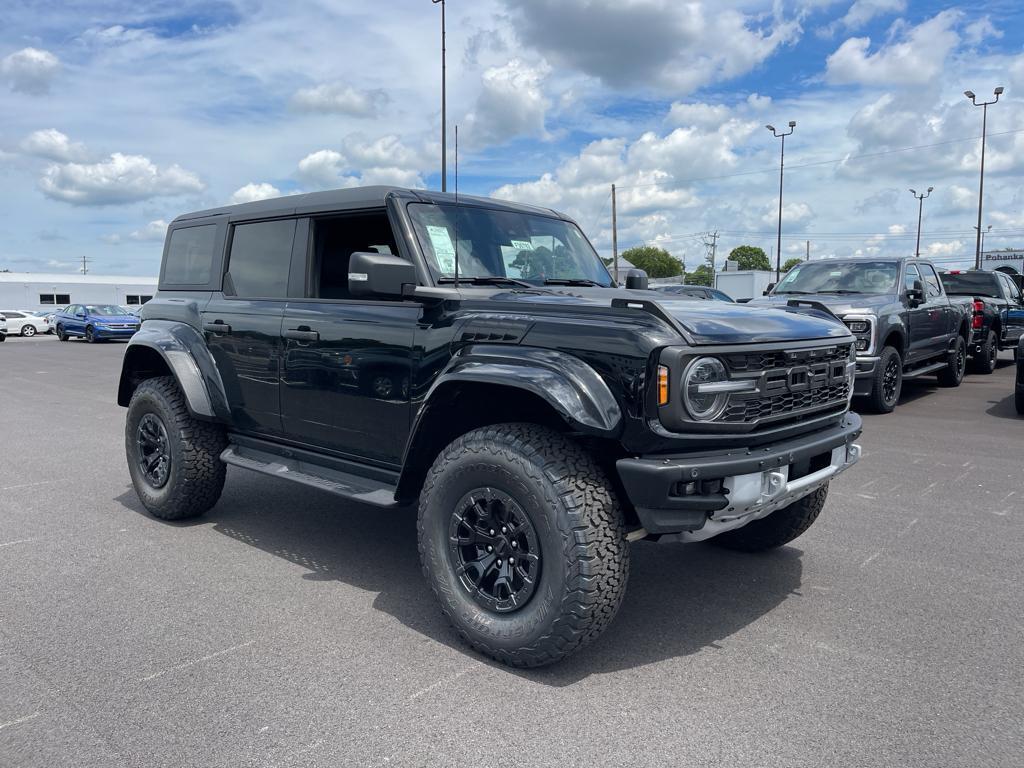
(364, 489)
(931, 368)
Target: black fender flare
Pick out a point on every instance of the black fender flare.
(184, 352)
(569, 385)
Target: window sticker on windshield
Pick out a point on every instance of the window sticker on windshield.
(444, 251)
(522, 245)
(836, 273)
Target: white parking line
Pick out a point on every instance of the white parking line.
(31, 485)
(195, 661)
(20, 720)
(16, 541)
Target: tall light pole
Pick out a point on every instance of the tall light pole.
(782, 164)
(983, 233)
(920, 206)
(981, 184)
(444, 116)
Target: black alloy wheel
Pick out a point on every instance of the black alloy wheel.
(956, 365)
(494, 549)
(90, 334)
(891, 380)
(61, 336)
(154, 456)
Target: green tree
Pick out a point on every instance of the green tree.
(702, 275)
(656, 262)
(750, 257)
(790, 263)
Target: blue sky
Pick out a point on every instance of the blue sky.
(119, 116)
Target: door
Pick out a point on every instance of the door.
(942, 319)
(919, 330)
(1014, 312)
(242, 324)
(347, 362)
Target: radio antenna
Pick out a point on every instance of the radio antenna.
(456, 205)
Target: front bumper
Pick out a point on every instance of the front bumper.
(114, 333)
(701, 496)
(865, 376)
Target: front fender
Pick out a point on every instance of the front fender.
(185, 354)
(574, 389)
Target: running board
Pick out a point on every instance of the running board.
(364, 489)
(931, 368)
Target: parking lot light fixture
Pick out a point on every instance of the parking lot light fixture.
(981, 183)
(920, 205)
(782, 163)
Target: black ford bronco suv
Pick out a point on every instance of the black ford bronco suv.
(396, 346)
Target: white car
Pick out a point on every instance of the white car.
(24, 323)
(3, 328)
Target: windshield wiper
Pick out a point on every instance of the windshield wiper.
(488, 280)
(796, 293)
(572, 281)
(841, 291)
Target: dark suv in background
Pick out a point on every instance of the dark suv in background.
(397, 346)
(997, 312)
(906, 326)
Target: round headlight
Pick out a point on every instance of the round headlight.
(704, 405)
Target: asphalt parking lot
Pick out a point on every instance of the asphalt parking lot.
(290, 629)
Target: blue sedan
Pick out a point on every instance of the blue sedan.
(96, 322)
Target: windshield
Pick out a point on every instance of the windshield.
(504, 244)
(844, 277)
(971, 284)
(104, 309)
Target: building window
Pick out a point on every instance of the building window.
(58, 299)
(134, 300)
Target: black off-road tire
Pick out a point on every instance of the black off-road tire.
(572, 506)
(883, 397)
(196, 476)
(956, 365)
(778, 528)
(984, 361)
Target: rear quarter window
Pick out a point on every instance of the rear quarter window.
(190, 255)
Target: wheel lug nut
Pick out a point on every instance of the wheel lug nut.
(492, 531)
(489, 548)
(514, 545)
(499, 561)
(511, 561)
(504, 529)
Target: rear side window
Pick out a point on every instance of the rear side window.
(190, 255)
(260, 258)
(971, 284)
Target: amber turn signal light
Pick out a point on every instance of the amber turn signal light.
(662, 385)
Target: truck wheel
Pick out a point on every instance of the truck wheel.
(521, 539)
(173, 459)
(985, 360)
(888, 381)
(778, 528)
(956, 365)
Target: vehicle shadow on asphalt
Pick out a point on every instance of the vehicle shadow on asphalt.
(681, 599)
(1004, 409)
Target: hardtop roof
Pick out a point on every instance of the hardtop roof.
(352, 198)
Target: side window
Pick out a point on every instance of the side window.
(335, 239)
(931, 281)
(190, 255)
(46, 298)
(909, 278)
(260, 258)
(1010, 287)
(13, 315)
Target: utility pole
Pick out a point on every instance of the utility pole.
(782, 163)
(615, 240)
(920, 208)
(85, 265)
(807, 256)
(444, 116)
(981, 184)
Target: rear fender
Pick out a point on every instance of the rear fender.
(182, 352)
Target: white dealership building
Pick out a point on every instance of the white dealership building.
(1011, 262)
(28, 290)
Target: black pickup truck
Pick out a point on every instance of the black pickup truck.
(905, 324)
(998, 313)
(474, 357)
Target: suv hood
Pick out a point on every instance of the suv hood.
(840, 304)
(707, 322)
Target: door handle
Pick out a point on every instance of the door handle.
(302, 333)
(217, 326)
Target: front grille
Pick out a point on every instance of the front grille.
(781, 391)
(122, 326)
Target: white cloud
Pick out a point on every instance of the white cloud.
(30, 70)
(897, 229)
(386, 160)
(698, 115)
(948, 248)
(511, 103)
(119, 179)
(153, 231)
(340, 98)
(863, 11)
(980, 30)
(51, 144)
(794, 215)
(960, 198)
(322, 168)
(658, 44)
(917, 58)
(252, 192)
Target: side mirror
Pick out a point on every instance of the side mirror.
(916, 294)
(636, 280)
(379, 274)
(80, 314)
(769, 289)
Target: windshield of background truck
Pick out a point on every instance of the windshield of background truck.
(877, 277)
(971, 284)
(493, 243)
